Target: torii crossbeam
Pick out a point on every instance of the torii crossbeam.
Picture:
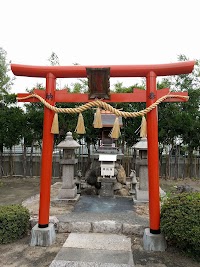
(150, 72)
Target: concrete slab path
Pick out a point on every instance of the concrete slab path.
(95, 250)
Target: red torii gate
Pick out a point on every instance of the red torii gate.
(150, 96)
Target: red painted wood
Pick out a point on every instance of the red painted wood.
(153, 159)
(47, 152)
(138, 95)
(78, 71)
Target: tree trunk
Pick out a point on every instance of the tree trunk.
(31, 161)
(184, 166)
(24, 160)
(170, 160)
(1, 161)
(167, 166)
(190, 162)
(176, 164)
(11, 163)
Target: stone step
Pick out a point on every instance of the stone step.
(104, 226)
(95, 249)
(94, 226)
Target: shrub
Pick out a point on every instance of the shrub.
(180, 221)
(14, 223)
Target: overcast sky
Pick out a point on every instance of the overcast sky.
(91, 32)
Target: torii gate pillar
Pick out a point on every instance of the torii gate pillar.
(47, 152)
(153, 155)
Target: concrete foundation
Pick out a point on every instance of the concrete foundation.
(154, 242)
(43, 237)
(57, 202)
(107, 187)
(67, 193)
(141, 196)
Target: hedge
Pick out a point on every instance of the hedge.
(180, 222)
(14, 223)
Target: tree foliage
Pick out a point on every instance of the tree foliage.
(130, 125)
(181, 119)
(5, 80)
(11, 121)
(180, 219)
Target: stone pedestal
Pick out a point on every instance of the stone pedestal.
(68, 189)
(67, 193)
(142, 194)
(154, 242)
(43, 236)
(107, 185)
(143, 175)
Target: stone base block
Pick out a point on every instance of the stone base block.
(154, 242)
(65, 193)
(56, 202)
(142, 196)
(133, 229)
(75, 227)
(107, 185)
(107, 226)
(43, 237)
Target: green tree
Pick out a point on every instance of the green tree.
(129, 133)
(11, 121)
(32, 129)
(183, 82)
(181, 119)
(190, 125)
(5, 100)
(5, 80)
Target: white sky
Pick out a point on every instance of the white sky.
(105, 32)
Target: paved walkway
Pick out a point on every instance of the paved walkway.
(98, 227)
(103, 215)
(95, 249)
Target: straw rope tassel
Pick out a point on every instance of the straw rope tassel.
(80, 128)
(115, 132)
(55, 125)
(97, 119)
(143, 127)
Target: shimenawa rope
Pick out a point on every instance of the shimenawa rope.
(106, 106)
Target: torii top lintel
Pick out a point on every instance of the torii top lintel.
(79, 71)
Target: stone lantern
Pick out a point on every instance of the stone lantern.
(141, 147)
(68, 190)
